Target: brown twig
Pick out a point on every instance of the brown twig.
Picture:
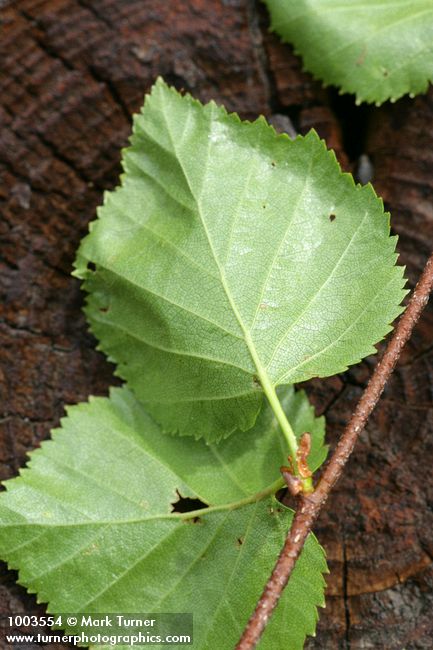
(309, 505)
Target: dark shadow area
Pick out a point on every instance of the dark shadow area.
(353, 120)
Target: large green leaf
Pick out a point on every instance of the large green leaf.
(230, 261)
(90, 524)
(377, 50)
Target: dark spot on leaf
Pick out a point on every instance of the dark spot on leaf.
(256, 381)
(104, 309)
(264, 205)
(361, 59)
(91, 266)
(186, 504)
(332, 216)
(239, 541)
(385, 73)
(273, 163)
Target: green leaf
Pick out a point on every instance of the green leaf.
(230, 261)
(90, 524)
(377, 50)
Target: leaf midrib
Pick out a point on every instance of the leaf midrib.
(265, 379)
(182, 516)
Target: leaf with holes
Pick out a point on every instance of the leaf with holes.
(91, 527)
(230, 261)
(377, 50)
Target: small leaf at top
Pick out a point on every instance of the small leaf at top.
(230, 261)
(376, 50)
(91, 527)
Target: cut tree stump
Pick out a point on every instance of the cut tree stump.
(72, 73)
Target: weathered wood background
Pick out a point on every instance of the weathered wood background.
(72, 72)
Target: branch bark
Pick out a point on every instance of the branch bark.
(310, 505)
